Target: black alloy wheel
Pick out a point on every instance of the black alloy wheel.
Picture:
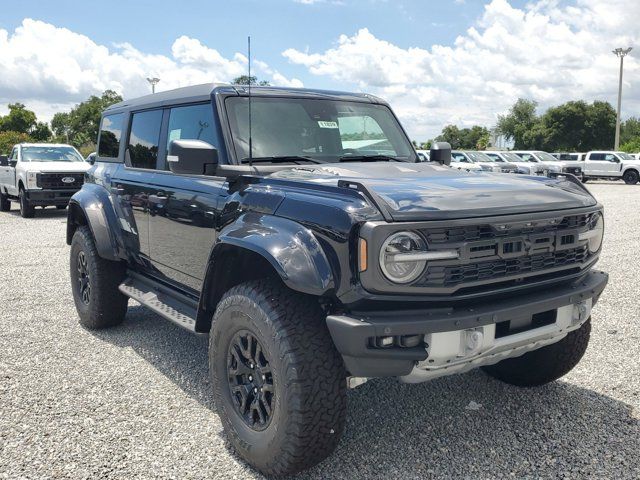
(84, 278)
(250, 380)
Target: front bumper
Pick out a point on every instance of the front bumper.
(50, 197)
(514, 318)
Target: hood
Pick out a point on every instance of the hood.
(55, 167)
(419, 191)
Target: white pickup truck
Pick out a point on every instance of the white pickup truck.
(611, 166)
(40, 174)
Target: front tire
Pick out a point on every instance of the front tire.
(278, 382)
(94, 282)
(545, 364)
(26, 209)
(631, 177)
(5, 204)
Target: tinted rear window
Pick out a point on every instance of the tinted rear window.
(110, 135)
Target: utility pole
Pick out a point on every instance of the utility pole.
(153, 81)
(621, 53)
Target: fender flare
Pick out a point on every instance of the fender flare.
(94, 204)
(292, 250)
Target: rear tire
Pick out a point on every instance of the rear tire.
(631, 177)
(545, 364)
(5, 204)
(26, 209)
(94, 282)
(301, 372)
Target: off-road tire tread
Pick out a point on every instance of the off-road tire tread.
(107, 306)
(545, 364)
(315, 378)
(26, 210)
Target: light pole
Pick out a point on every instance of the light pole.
(153, 81)
(619, 52)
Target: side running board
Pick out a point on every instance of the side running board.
(167, 303)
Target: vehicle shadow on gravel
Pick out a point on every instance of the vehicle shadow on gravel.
(462, 426)
(40, 213)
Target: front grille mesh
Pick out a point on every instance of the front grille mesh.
(501, 252)
(498, 269)
(53, 181)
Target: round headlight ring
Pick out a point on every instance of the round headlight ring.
(596, 223)
(402, 272)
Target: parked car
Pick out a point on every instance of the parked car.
(483, 159)
(40, 174)
(546, 161)
(460, 156)
(569, 157)
(527, 167)
(463, 162)
(423, 155)
(611, 165)
(323, 263)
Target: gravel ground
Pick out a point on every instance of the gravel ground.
(134, 401)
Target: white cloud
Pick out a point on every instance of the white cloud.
(546, 51)
(50, 69)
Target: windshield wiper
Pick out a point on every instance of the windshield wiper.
(369, 158)
(281, 159)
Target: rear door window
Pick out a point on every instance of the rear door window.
(144, 138)
(110, 135)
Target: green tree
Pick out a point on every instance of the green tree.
(249, 80)
(19, 119)
(473, 138)
(520, 119)
(41, 132)
(630, 130)
(9, 138)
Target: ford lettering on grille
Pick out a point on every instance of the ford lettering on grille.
(68, 180)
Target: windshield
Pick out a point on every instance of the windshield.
(324, 130)
(526, 157)
(546, 157)
(480, 157)
(51, 154)
(625, 156)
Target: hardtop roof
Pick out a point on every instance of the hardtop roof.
(203, 92)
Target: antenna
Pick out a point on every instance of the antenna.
(250, 140)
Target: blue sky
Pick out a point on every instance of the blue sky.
(436, 61)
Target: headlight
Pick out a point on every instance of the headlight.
(394, 253)
(595, 233)
(32, 180)
(404, 255)
(486, 168)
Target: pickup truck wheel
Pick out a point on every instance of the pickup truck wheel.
(5, 204)
(26, 209)
(278, 382)
(631, 177)
(545, 364)
(94, 282)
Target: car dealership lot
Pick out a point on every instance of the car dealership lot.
(134, 401)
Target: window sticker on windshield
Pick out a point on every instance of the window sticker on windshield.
(322, 124)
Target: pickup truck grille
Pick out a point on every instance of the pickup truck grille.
(505, 252)
(60, 181)
(573, 170)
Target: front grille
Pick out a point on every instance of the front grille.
(505, 251)
(59, 181)
(573, 170)
(500, 269)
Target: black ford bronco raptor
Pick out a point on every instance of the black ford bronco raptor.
(298, 229)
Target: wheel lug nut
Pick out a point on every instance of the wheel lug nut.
(264, 377)
(255, 390)
(250, 378)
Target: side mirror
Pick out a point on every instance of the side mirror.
(91, 159)
(193, 157)
(4, 161)
(440, 152)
